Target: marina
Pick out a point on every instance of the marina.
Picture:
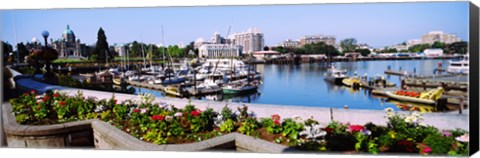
(306, 84)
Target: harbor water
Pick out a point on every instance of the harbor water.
(304, 84)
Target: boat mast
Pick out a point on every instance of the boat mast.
(143, 55)
(223, 46)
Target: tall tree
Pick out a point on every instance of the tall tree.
(22, 51)
(101, 48)
(266, 48)
(6, 49)
(348, 44)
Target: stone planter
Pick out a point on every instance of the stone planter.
(72, 134)
(107, 136)
(101, 135)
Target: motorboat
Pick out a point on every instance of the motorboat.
(429, 97)
(335, 75)
(240, 87)
(459, 67)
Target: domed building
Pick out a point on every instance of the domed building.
(68, 46)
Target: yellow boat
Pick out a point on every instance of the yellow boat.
(429, 97)
(117, 81)
(351, 81)
(175, 91)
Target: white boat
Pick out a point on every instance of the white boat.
(459, 67)
(335, 75)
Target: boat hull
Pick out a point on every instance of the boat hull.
(409, 99)
(335, 80)
(239, 90)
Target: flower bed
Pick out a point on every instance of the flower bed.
(168, 126)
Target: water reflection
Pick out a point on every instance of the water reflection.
(303, 85)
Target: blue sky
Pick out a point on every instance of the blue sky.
(377, 24)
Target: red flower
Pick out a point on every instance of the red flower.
(195, 113)
(56, 95)
(355, 128)
(26, 94)
(327, 129)
(115, 101)
(136, 110)
(276, 122)
(46, 98)
(276, 119)
(157, 117)
(62, 103)
(32, 91)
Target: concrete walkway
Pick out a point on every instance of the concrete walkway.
(449, 120)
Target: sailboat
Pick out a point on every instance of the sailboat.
(250, 85)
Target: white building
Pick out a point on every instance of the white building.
(218, 51)
(413, 42)
(433, 52)
(121, 49)
(290, 43)
(250, 41)
(329, 40)
(439, 36)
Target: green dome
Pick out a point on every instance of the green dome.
(68, 31)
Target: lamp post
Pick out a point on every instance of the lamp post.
(45, 36)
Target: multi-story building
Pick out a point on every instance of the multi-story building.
(329, 40)
(121, 49)
(413, 42)
(290, 43)
(439, 36)
(219, 50)
(68, 46)
(251, 41)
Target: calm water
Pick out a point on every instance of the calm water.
(303, 85)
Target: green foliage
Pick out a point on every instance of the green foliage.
(243, 113)
(348, 44)
(101, 47)
(270, 126)
(249, 126)
(363, 52)
(26, 70)
(319, 48)
(438, 143)
(291, 129)
(419, 47)
(227, 126)
(227, 114)
(337, 127)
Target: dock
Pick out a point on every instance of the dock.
(199, 92)
(146, 85)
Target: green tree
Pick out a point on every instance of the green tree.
(266, 48)
(419, 47)
(22, 51)
(348, 44)
(363, 52)
(280, 49)
(101, 48)
(457, 47)
(6, 49)
(175, 51)
(438, 44)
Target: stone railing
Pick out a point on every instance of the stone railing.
(72, 134)
(101, 135)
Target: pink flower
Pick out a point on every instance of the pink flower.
(427, 150)
(62, 103)
(32, 91)
(56, 95)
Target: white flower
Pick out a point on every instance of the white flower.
(178, 114)
(408, 119)
(143, 110)
(464, 138)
